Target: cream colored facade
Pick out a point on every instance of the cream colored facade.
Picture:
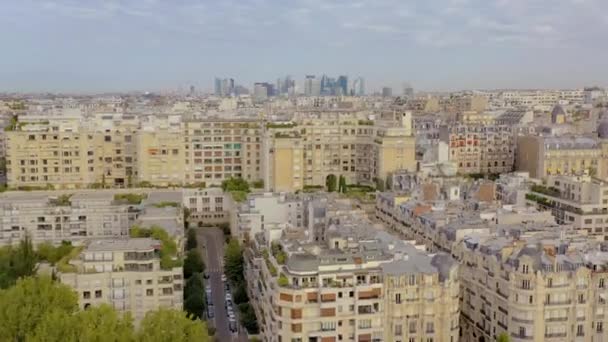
(603, 162)
(126, 274)
(305, 152)
(535, 290)
(217, 150)
(479, 148)
(48, 155)
(542, 156)
(581, 201)
(161, 157)
(353, 287)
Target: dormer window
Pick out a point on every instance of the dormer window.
(524, 269)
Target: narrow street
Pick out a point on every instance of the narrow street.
(211, 246)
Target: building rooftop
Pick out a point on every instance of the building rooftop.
(127, 244)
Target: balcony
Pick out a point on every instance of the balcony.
(523, 320)
(561, 302)
(521, 337)
(556, 319)
(556, 335)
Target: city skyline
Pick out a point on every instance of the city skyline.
(446, 45)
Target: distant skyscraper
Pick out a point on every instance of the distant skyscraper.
(260, 91)
(387, 92)
(342, 85)
(312, 86)
(217, 87)
(192, 90)
(224, 87)
(359, 86)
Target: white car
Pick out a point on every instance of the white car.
(228, 297)
(223, 277)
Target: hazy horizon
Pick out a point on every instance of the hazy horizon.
(113, 46)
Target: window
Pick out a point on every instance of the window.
(599, 327)
(579, 330)
(97, 293)
(398, 298)
(601, 284)
(149, 292)
(398, 329)
(525, 284)
(86, 294)
(412, 327)
(430, 327)
(525, 269)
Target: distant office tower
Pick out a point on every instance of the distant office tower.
(359, 87)
(217, 87)
(240, 90)
(387, 92)
(284, 86)
(262, 90)
(224, 87)
(312, 86)
(342, 85)
(192, 90)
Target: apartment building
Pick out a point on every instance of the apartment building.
(303, 153)
(111, 149)
(542, 156)
(269, 214)
(479, 148)
(160, 151)
(209, 206)
(219, 149)
(45, 153)
(547, 286)
(580, 201)
(463, 103)
(357, 284)
(125, 274)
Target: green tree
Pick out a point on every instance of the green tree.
(23, 260)
(330, 183)
(191, 242)
(233, 262)
(240, 294)
(248, 318)
(23, 306)
(503, 337)
(194, 285)
(101, 323)
(193, 263)
(171, 325)
(235, 184)
(195, 305)
(47, 252)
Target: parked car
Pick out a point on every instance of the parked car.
(232, 325)
(224, 277)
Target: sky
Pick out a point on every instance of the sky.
(119, 45)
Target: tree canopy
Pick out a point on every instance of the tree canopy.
(38, 309)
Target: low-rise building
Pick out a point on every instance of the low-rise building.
(125, 274)
(580, 201)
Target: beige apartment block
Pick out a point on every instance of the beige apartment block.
(358, 284)
(160, 157)
(305, 152)
(47, 154)
(603, 162)
(580, 201)
(126, 274)
(541, 156)
(479, 148)
(545, 287)
(208, 206)
(112, 151)
(220, 149)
